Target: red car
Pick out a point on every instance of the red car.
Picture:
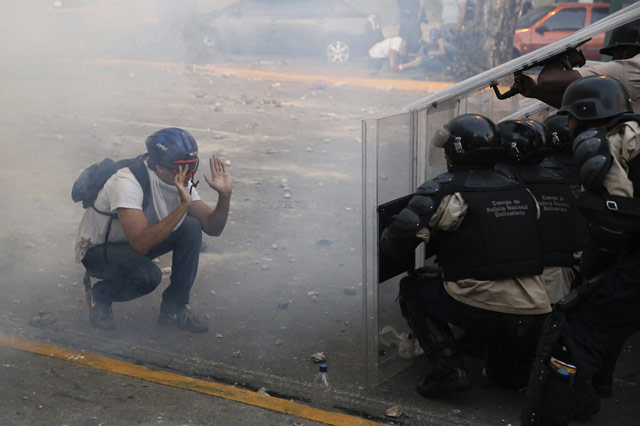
(546, 24)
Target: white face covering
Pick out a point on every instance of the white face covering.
(165, 197)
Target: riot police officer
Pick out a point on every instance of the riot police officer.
(526, 144)
(606, 148)
(474, 219)
(559, 159)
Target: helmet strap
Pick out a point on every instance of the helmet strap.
(193, 184)
(515, 150)
(457, 144)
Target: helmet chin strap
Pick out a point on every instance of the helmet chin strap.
(193, 184)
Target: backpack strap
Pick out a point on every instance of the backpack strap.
(139, 170)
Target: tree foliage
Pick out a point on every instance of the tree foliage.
(487, 40)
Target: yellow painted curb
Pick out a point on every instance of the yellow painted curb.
(182, 382)
(376, 83)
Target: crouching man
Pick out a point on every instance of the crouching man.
(144, 211)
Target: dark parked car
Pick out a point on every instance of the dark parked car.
(331, 28)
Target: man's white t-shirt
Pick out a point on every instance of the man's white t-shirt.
(381, 50)
(123, 190)
(627, 71)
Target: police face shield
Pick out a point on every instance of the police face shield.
(451, 144)
(441, 137)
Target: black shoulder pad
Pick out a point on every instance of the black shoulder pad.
(406, 222)
(429, 188)
(423, 206)
(434, 186)
(444, 178)
(592, 153)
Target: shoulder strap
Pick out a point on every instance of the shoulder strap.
(621, 119)
(139, 170)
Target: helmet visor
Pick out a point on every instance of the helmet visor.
(441, 137)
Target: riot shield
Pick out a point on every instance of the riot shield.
(396, 159)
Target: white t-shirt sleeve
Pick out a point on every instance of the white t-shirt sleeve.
(125, 191)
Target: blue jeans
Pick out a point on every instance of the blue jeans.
(126, 274)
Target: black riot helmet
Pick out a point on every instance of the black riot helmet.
(470, 139)
(627, 35)
(524, 141)
(595, 98)
(172, 148)
(557, 131)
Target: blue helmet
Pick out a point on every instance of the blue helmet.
(171, 148)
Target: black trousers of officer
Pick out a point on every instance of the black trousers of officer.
(609, 315)
(511, 338)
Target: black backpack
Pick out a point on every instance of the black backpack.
(92, 179)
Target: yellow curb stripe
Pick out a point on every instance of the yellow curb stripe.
(182, 382)
(376, 83)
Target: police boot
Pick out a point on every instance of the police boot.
(448, 375)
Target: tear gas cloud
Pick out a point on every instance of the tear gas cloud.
(74, 93)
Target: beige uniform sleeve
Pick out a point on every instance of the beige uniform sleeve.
(624, 143)
(448, 216)
(627, 71)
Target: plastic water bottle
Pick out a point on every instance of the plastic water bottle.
(322, 391)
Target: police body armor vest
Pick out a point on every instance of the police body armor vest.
(498, 236)
(558, 213)
(563, 164)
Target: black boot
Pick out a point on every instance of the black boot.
(447, 376)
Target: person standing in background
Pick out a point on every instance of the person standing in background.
(453, 14)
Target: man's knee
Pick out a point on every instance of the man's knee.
(192, 227)
(189, 234)
(149, 279)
